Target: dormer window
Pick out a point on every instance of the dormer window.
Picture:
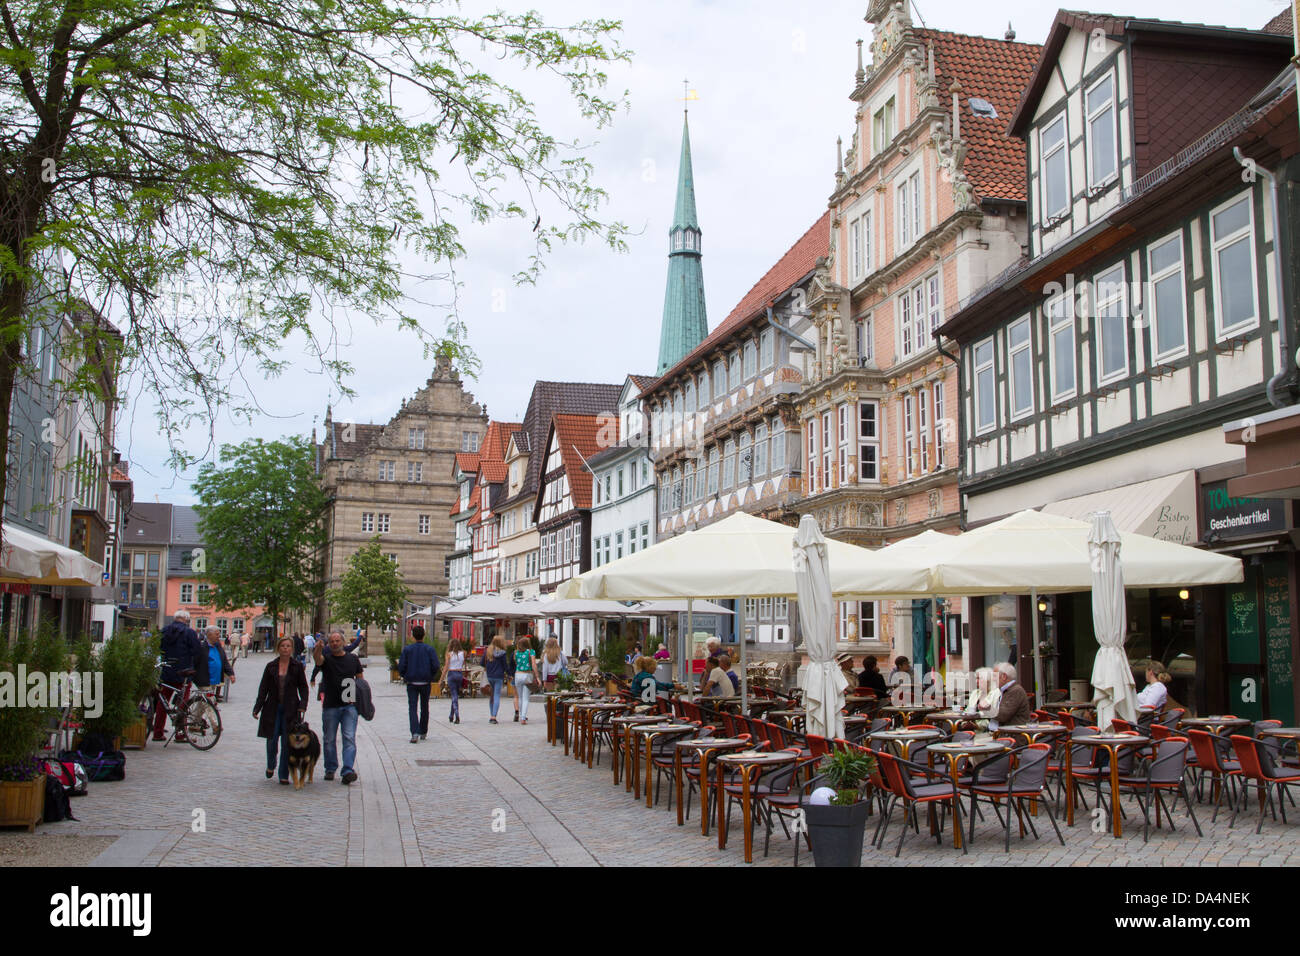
(1054, 171)
(1102, 159)
(882, 127)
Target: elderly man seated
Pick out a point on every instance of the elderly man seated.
(1014, 707)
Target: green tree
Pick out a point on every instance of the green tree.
(370, 591)
(222, 177)
(262, 521)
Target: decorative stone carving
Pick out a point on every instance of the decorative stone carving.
(870, 515)
(900, 512)
(936, 503)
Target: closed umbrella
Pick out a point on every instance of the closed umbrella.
(1112, 678)
(822, 679)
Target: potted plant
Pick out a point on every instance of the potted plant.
(393, 651)
(837, 830)
(129, 668)
(22, 779)
(611, 658)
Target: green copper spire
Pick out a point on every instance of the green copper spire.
(685, 323)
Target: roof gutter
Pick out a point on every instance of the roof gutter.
(1280, 256)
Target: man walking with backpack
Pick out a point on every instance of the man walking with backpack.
(339, 710)
(419, 667)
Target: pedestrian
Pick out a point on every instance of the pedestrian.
(315, 671)
(310, 643)
(525, 675)
(419, 667)
(340, 669)
(243, 641)
(281, 703)
(553, 662)
(212, 667)
(299, 647)
(496, 667)
(455, 673)
(181, 650)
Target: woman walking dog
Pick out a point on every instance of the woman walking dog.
(281, 703)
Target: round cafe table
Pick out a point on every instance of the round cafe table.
(651, 733)
(1292, 733)
(706, 748)
(950, 717)
(910, 712)
(1113, 744)
(856, 702)
(620, 727)
(857, 721)
(749, 764)
(1070, 706)
(903, 739)
(1032, 732)
(954, 750)
(791, 719)
(1215, 724)
(588, 713)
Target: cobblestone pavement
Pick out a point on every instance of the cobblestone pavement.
(498, 795)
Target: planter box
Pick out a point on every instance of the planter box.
(22, 804)
(837, 833)
(393, 676)
(136, 737)
(117, 741)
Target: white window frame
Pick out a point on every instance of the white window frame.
(883, 126)
(910, 221)
(415, 471)
(865, 344)
(905, 322)
(1111, 312)
(1091, 121)
(909, 434)
(981, 367)
(1176, 273)
(187, 593)
(1045, 157)
(810, 430)
(367, 522)
(923, 427)
(776, 447)
(1217, 244)
(844, 431)
(940, 460)
(766, 350)
(1016, 409)
(422, 524)
(827, 447)
(759, 464)
(869, 440)
(383, 521)
(1054, 327)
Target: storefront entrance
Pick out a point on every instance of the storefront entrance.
(1258, 629)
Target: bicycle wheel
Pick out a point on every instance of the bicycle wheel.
(201, 722)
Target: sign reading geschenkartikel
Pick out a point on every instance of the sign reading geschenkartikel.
(1230, 517)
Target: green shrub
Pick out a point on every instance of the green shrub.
(129, 666)
(393, 651)
(846, 771)
(23, 728)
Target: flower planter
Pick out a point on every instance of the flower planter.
(837, 833)
(136, 736)
(22, 804)
(394, 676)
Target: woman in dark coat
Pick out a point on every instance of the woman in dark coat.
(281, 702)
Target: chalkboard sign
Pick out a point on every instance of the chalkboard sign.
(1277, 640)
(1243, 619)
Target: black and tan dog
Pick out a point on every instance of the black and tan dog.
(304, 751)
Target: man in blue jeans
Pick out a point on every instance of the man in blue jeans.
(340, 670)
(419, 667)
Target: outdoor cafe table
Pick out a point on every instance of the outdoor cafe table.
(950, 717)
(1031, 732)
(954, 750)
(856, 702)
(1112, 743)
(650, 732)
(789, 718)
(1069, 705)
(565, 712)
(744, 762)
(857, 720)
(1215, 724)
(584, 712)
(553, 699)
(757, 708)
(910, 712)
(1290, 732)
(904, 739)
(622, 726)
(706, 747)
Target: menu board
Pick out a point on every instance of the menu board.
(1277, 640)
(1243, 619)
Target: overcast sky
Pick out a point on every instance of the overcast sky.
(773, 81)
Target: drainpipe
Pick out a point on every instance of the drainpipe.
(961, 421)
(771, 320)
(1279, 258)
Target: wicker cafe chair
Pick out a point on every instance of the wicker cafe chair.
(691, 774)
(663, 755)
(900, 774)
(1282, 750)
(1257, 764)
(1222, 770)
(1163, 771)
(1016, 776)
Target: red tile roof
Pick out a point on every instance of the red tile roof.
(493, 447)
(799, 260)
(993, 70)
(1280, 24)
(581, 435)
(467, 461)
(493, 472)
(471, 507)
(643, 381)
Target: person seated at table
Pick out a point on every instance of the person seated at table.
(713, 648)
(582, 657)
(986, 698)
(717, 683)
(1014, 707)
(646, 674)
(871, 678)
(662, 653)
(1156, 694)
(735, 678)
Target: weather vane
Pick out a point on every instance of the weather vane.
(690, 95)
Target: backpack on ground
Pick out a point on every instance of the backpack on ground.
(109, 765)
(57, 806)
(70, 774)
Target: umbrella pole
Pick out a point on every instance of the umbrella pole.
(744, 659)
(1038, 656)
(685, 640)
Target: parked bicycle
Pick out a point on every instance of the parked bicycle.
(194, 716)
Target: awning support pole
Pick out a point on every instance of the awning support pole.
(1038, 656)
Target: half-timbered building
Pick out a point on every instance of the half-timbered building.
(1097, 373)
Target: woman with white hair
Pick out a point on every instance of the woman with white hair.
(986, 697)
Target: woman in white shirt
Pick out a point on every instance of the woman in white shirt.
(1155, 694)
(987, 696)
(553, 662)
(455, 671)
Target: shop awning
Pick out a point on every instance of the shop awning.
(1162, 508)
(29, 559)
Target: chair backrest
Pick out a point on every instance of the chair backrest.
(776, 734)
(1252, 757)
(1119, 726)
(1160, 732)
(1207, 754)
(728, 724)
(878, 724)
(1170, 760)
(1272, 744)
(1081, 755)
(677, 707)
(1172, 716)
(993, 771)
(691, 711)
(1065, 718)
(895, 780)
(964, 736)
(1030, 773)
(818, 745)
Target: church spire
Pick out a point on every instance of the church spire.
(685, 323)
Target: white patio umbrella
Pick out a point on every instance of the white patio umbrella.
(1112, 678)
(822, 679)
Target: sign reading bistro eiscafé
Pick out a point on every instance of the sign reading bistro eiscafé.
(1229, 517)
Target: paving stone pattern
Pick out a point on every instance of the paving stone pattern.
(547, 809)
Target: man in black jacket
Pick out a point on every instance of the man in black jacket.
(181, 650)
(419, 667)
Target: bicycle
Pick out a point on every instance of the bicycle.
(194, 715)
